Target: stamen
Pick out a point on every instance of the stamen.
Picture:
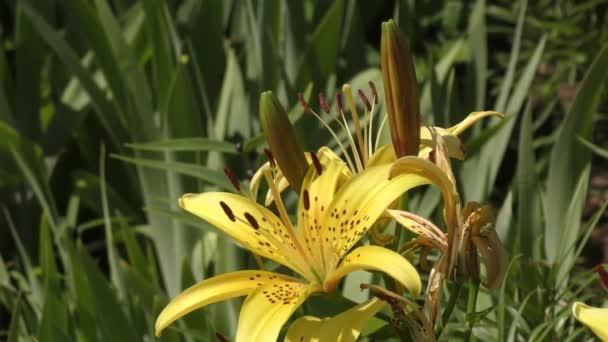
(379, 133)
(366, 129)
(283, 214)
(374, 92)
(323, 103)
(339, 107)
(252, 221)
(353, 112)
(432, 158)
(306, 200)
(270, 158)
(304, 103)
(316, 163)
(233, 179)
(365, 100)
(603, 275)
(227, 211)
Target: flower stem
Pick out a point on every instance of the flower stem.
(471, 304)
(449, 308)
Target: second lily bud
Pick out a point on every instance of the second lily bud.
(282, 140)
(400, 90)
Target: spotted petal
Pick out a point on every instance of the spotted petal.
(359, 203)
(594, 318)
(376, 258)
(418, 166)
(422, 227)
(246, 222)
(344, 327)
(267, 309)
(212, 290)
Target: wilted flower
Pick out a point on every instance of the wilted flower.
(470, 230)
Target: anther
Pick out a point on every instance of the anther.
(270, 158)
(304, 103)
(316, 163)
(339, 108)
(374, 91)
(365, 100)
(233, 179)
(323, 103)
(432, 156)
(252, 221)
(306, 200)
(603, 275)
(227, 211)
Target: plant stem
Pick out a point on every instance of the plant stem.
(472, 302)
(447, 313)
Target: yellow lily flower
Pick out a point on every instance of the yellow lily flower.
(334, 211)
(344, 327)
(470, 230)
(595, 319)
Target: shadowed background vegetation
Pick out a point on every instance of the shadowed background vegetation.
(111, 109)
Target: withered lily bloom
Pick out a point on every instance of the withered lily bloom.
(335, 210)
(282, 140)
(470, 230)
(400, 90)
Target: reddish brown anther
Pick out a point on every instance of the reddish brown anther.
(235, 181)
(432, 156)
(339, 108)
(270, 158)
(323, 103)
(365, 100)
(221, 338)
(304, 103)
(316, 163)
(372, 86)
(603, 275)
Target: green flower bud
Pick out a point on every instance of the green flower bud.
(281, 138)
(400, 90)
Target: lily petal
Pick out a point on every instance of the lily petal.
(317, 194)
(267, 309)
(344, 327)
(360, 202)
(454, 146)
(246, 222)
(377, 259)
(422, 227)
(470, 120)
(594, 318)
(212, 290)
(451, 199)
(495, 257)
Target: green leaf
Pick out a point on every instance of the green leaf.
(200, 172)
(185, 144)
(528, 201)
(569, 158)
(321, 55)
(602, 152)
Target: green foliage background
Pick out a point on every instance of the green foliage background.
(111, 109)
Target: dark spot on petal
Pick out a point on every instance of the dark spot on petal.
(252, 221)
(227, 211)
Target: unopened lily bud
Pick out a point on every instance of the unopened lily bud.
(400, 90)
(282, 140)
